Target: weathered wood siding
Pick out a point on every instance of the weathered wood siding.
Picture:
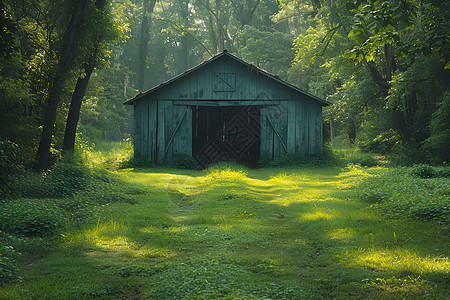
(290, 122)
(294, 126)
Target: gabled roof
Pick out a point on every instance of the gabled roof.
(214, 58)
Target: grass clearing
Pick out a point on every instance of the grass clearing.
(229, 232)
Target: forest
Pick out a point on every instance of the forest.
(68, 66)
(82, 218)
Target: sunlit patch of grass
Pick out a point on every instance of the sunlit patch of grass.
(107, 154)
(115, 237)
(342, 233)
(149, 229)
(228, 175)
(316, 216)
(287, 180)
(396, 260)
(352, 176)
(237, 233)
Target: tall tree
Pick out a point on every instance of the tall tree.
(100, 32)
(149, 5)
(245, 10)
(66, 63)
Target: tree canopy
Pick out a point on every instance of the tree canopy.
(68, 66)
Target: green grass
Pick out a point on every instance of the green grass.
(234, 233)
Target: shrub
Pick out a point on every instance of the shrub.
(423, 171)
(8, 258)
(382, 143)
(327, 158)
(185, 162)
(29, 185)
(430, 212)
(264, 160)
(8, 163)
(439, 141)
(408, 154)
(66, 180)
(363, 159)
(401, 194)
(31, 217)
(136, 162)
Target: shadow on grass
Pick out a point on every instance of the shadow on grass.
(267, 233)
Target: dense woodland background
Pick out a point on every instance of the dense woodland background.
(66, 67)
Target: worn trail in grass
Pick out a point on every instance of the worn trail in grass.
(253, 234)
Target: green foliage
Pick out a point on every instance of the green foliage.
(66, 180)
(415, 193)
(31, 217)
(219, 278)
(326, 159)
(268, 50)
(438, 144)
(377, 23)
(103, 115)
(9, 163)
(136, 162)
(235, 233)
(383, 143)
(407, 154)
(8, 258)
(363, 159)
(423, 171)
(185, 162)
(264, 160)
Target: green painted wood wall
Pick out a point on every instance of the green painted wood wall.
(290, 121)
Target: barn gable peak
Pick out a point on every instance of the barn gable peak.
(224, 77)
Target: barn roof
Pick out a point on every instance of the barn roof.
(214, 58)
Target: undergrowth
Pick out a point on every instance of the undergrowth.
(227, 232)
(420, 192)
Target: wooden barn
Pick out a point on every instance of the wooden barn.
(226, 109)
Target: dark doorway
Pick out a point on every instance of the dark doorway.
(229, 133)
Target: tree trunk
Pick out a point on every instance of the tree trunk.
(220, 33)
(351, 131)
(391, 66)
(62, 70)
(75, 105)
(245, 12)
(212, 33)
(149, 5)
(185, 38)
(376, 75)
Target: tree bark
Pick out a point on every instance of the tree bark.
(391, 66)
(75, 105)
(245, 13)
(62, 70)
(149, 5)
(220, 33)
(376, 75)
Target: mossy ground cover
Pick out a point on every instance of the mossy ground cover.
(233, 233)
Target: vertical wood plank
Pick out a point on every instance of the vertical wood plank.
(144, 145)
(263, 131)
(319, 129)
(161, 132)
(292, 120)
(150, 131)
(170, 113)
(299, 127)
(305, 139)
(188, 132)
(137, 129)
(153, 125)
(311, 131)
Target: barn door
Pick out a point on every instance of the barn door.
(226, 134)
